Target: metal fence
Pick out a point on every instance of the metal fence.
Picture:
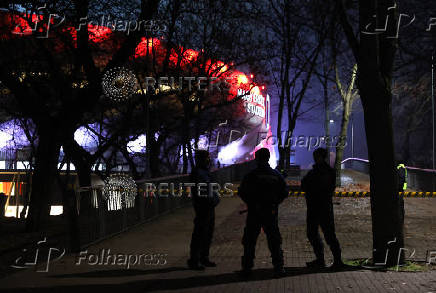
(417, 178)
(100, 218)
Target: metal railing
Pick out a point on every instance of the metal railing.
(417, 178)
(100, 218)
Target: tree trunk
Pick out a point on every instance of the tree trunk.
(341, 143)
(154, 158)
(376, 63)
(387, 219)
(185, 159)
(327, 116)
(406, 148)
(190, 156)
(280, 143)
(83, 163)
(45, 172)
(375, 55)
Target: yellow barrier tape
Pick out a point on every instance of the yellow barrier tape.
(357, 194)
(426, 194)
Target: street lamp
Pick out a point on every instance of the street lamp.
(352, 135)
(432, 109)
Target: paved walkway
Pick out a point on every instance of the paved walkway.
(168, 237)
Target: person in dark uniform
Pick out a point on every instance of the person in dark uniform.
(402, 186)
(319, 185)
(402, 177)
(204, 206)
(263, 189)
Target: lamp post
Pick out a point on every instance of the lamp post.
(352, 135)
(330, 121)
(432, 109)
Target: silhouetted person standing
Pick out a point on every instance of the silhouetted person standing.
(263, 189)
(402, 177)
(204, 207)
(402, 186)
(319, 185)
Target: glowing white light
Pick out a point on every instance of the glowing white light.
(5, 139)
(12, 136)
(85, 137)
(119, 191)
(64, 167)
(231, 152)
(273, 158)
(119, 84)
(11, 211)
(22, 165)
(138, 145)
(203, 142)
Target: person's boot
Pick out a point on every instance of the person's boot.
(246, 265)
(337, 265)
(316, 264)
(194, 265)
(337, 260)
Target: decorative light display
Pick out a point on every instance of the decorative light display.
(12, 136)
(119, 84)
(5, 139)
(85, 137)
(119, 191)
(203, 142)
(138, 145)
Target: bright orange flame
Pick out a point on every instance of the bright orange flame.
(251, 75)
(255, 91)
(242, 79)
(224, 68)
(190, 54)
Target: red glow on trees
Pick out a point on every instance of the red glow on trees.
(17, 25)
(146, 46)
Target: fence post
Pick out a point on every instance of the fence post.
(101, 210)
(140, 205)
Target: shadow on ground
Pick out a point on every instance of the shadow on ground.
(120, 273)
(171, 283)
